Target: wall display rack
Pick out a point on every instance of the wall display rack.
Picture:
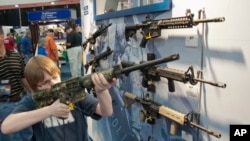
(106, 9)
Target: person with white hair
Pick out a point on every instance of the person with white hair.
(41, 48)
(13, 84)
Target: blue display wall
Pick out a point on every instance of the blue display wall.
(204, 100)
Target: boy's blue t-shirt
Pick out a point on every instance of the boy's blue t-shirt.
(54, 129)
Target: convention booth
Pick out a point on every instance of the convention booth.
(56, 19)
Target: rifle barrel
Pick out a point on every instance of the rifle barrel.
(101, 30)
(117, 71)
(150, 63)
(219, 19)
(180, 75)
(217, 84)
(209, 131)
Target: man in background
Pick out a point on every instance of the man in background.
(79, 31)
(74, 51)
(9, 42)
(13, 85)
(17, 40)
(51, 46)
(26, 46)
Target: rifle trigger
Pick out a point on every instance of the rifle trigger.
(71, 106)
(149, 36)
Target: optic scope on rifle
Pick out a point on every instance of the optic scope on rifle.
(152, 28)
(73, 90)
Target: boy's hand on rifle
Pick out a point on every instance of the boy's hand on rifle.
(58, 109)
(100, 82)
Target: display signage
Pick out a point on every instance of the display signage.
(78, 21)
(52, 15)
(116, 8)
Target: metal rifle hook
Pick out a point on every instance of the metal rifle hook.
(199, 14)
(191, 75)
(187, 118)
(203, 13)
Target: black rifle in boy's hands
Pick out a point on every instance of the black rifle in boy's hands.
(152, 110)
(95, 61)
(154, 73)
(73, 90)
(92, 37)
(152, 28)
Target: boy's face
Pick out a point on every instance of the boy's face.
(48, 81)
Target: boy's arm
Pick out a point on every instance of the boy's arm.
(102, 86)
(23, 120)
